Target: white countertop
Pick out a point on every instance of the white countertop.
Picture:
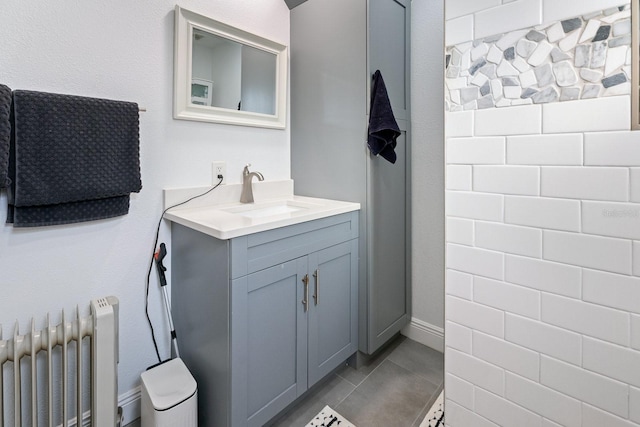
(224, 217)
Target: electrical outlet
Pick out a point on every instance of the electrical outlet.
(219, 168)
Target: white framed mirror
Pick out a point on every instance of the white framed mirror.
(227, 75)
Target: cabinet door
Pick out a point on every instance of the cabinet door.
(333, 308)
(389, 50)
(268, 340)
(388, 230)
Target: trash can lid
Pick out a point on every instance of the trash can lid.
(169, 384)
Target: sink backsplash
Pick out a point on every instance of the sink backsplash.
(226, 194)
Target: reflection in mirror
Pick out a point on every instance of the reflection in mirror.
(227, 75)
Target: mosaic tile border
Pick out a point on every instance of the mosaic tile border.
(579, 58)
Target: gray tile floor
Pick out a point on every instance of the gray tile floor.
(394, 388)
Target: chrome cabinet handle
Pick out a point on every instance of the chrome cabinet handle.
(305, 301)
(316, 293)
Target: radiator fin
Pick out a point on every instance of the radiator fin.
(58, 350)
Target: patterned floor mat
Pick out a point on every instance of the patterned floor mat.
(435, 416)
(329, 418)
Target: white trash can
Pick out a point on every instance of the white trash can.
(169, 396)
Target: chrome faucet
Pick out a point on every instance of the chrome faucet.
(247, 189)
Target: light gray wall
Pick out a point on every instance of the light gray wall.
(120, 50)
(427, 124)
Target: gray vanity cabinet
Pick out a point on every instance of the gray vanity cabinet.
(336, 46)
(255, 336)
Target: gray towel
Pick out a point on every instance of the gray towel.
(76, 158)
(5, 134)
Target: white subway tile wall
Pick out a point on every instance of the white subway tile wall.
(465, 7)
(500, 295)
(635, 332)
(634, 404)
(613, 361)
(477, 316)
(556, 214)
(460, 339)
(459, 30)
(460, 416)
(476, 371)
(459, 390)
(541, 400)
(552, 277)
(589, 251)
(544, 338)
(592, 183)
(612, 290)
(611, 219)
(460, 124)
(558, 149)
(488, 151)
(586, 386)
(503, 412)
(611, 149)
(554, 10)
(460, 231)
(585, 318)
(522, 180)
(474, 205)
(509, 238)
(459, 177)
(636, 258)
(548, 423)
(587, 115)
(476, 261)
(542, 309)
(635, 185)
(460, 284)
(516, 15)
(594, 417)
(523, 120)
(512, 357)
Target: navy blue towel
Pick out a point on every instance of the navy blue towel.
(383, 128)
(5, 134)
(74, 159)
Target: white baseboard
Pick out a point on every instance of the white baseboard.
(425, 333)
(130, 403)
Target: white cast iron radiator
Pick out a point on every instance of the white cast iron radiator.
(40, 365)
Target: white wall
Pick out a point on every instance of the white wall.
(120, 50)
(427, 118)
(543, 256)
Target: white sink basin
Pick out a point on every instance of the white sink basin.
(263, 210)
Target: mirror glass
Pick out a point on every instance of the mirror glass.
(226, 75)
